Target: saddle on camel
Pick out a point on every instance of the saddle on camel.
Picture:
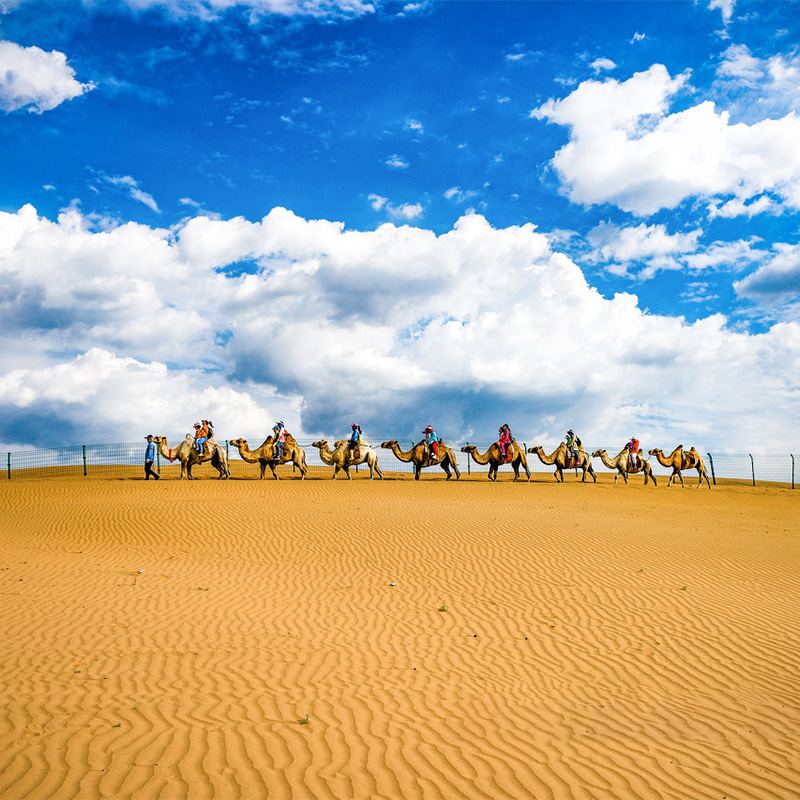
(690, 460)
(286, 450)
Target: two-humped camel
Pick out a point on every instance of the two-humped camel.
(495, 459)
(622, 464)
(564, 460)
(187, 454)
(417, 455)
(264, 455)
(680, 459)
(341, 459)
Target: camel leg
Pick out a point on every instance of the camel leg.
(274, 474)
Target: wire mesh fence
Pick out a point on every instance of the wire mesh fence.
(126, 460)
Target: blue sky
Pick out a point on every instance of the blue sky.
(554, 214)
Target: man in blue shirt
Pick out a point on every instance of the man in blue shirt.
(149, 458)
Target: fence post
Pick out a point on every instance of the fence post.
(158, 460)
(469, 460)
(790, 455)
(9, 467)
(84, 459)
(711, 461)
(752, 469)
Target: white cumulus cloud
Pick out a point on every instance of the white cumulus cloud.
(626, 148)
(35, 79)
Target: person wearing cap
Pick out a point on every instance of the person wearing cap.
(355, 441)
(200, 436)
(431, 442)
(573, 443)
(633, 453)
(149, 458)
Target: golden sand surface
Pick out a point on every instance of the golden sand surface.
(398, 639)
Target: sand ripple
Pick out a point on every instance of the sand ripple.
(397, 640)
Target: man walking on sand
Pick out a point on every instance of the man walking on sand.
(149, 458)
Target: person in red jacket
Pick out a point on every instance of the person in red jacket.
(505, 440)
(633, 453)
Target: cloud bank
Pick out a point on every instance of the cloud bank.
(114, 329)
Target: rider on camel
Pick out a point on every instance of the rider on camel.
(573, 444)
(431, 443)
(355, 440)
(505, 441)
(201, 433)
(633, 453)
(279, 429)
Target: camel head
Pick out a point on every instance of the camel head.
(239, 442)
(598, 453)
(390, 444)
(470, 448)
(655, 451)
(536, 449)
(321, 443)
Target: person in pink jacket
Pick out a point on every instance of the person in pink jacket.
(505, 440)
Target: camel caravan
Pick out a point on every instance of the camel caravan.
(281, 448)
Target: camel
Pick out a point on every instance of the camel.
(621, 463)
(187, 454)
(339, 458)
(417, 456)
(264, 455)
(494, 458)
(679, 459)
(565, 460)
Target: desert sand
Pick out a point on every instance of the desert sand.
(398, 639)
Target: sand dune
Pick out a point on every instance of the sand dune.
(446, 640)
